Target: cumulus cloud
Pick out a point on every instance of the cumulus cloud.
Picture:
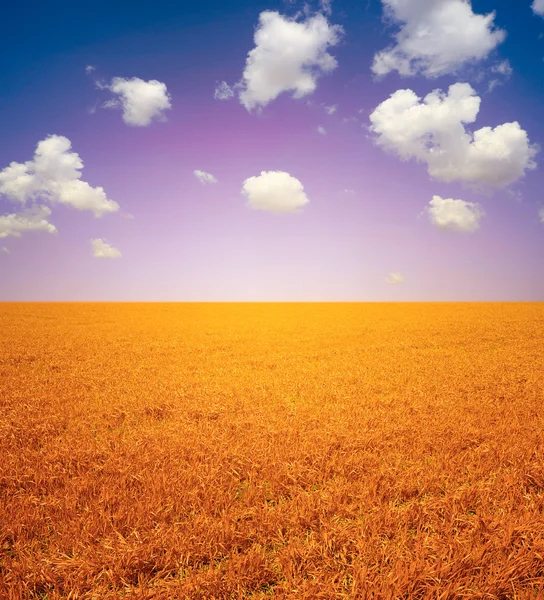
(433, 131)
(31, 219)
(395, 278)
(141, 101)
(455, 215)
(54, 176)
(204, 177)
(322, 130)
(436, 37)
(275, 191)
(223, 91)
(538, 7)
(288, 56)
(101, 249)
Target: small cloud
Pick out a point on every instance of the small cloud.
(322, 130)
(101, 249)
(330, 110)
(288, 56)
(395, 278)
(90, 68)
(54, 176)
(31, 219)
(223, 91)
(128, 216)
(538, 7)
(541, 215)
(204, 177)
(275, 191)
(455, 215)
(4, 250)
(346, 120)
(349, 191)
(141, 101)
(326, 6)
(503, 68)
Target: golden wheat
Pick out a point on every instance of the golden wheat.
(271, 450)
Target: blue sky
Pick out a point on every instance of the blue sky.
(363, 226)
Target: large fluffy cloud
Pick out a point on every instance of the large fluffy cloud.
(31, 219)
(436, 37)
(455, 215)
(288, 56)
(141, 101)
(433, 131)
(538, 7)
(54, 176)
(275, 191)
(204, 177)
(101, 249)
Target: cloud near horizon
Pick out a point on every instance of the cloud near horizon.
(394, 278)
(101, 249)
(436, 37)
(54, 176)
(141, 101)
(275, 192)
(455, 215)
(288, 56)
(433, 131)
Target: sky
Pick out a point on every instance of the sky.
(383, 150)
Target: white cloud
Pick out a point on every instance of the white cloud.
(436, 37)
(4, 250)
(322, 130)
(538, 7)
(204, 177)
(31, 219)
(503, 68)
(275, 191)
(223, 91)
(395, 278)
(141, 101)
(326, 6)
(433, 131)
(101, 249)
(54, 176)
(288, 56)
(89, 68)
(455, 215)
(330, 110)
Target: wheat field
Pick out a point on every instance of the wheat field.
(271, 451)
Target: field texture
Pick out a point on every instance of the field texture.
(271, 450)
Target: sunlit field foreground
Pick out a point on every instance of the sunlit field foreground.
(271, 450)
